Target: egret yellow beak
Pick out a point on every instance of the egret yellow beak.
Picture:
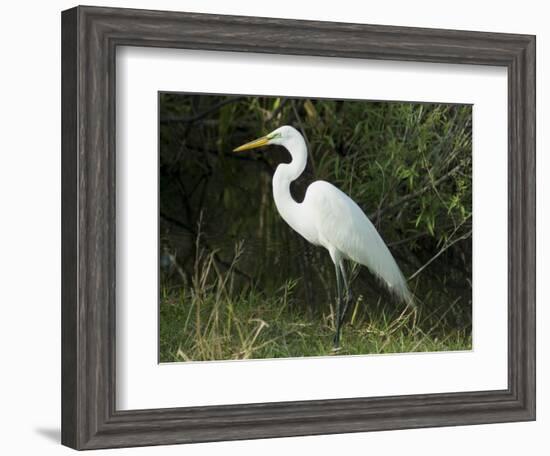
(253, 144)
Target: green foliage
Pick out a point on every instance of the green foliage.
(408, 165)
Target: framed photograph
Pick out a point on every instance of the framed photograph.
(279, 228)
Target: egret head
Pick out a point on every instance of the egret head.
(280, 136)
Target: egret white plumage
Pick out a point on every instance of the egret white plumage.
(329, 218)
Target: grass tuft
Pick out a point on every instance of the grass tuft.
(212, 319)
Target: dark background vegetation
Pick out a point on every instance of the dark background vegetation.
(237, 282)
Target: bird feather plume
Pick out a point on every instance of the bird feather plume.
(342, 224)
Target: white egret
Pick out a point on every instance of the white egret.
(328, 217)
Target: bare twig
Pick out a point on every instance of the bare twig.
(216, 257)
(415, 194)
(201, 115)
(438, 254)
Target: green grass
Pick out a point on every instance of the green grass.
(212, 320)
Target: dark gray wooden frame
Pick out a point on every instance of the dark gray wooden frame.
(90, 36)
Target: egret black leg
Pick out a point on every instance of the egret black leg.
(348, 297)
(338, 307)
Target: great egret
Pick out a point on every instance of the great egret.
(328, 217)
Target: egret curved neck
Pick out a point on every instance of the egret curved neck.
(284, 175)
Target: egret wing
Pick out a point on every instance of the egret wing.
(342, 224)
